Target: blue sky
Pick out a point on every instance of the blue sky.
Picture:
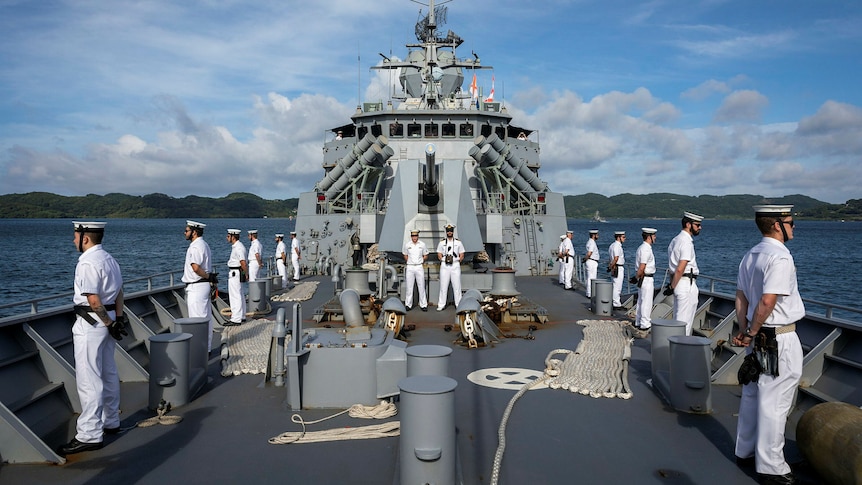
(210, 97)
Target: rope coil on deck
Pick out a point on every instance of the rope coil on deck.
(160, 417)
(381, 411)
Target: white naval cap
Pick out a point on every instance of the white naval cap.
(648, 230)
(414, 232)
(281, 235)
(569, 232)
(252, 231)
(692, 216)
(594, 231)
(89, 226)
(619, 233)
(234, 232)
(562, 236)
(195, 224)
(774, 210)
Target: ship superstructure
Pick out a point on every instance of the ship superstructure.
(435, 154)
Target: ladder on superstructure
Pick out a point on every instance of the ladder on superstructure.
(532, 246)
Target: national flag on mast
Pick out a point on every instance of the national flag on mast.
(474, 89)
(490, 98)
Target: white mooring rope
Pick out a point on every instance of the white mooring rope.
(381, 411)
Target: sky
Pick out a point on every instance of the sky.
(208, 97)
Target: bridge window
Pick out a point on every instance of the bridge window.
(448, 130)
(432, 130)
(362, 131)
(486, 130)
(376, 130)
(501, 132)
(465, 130)
(414, 130)
(396, 130)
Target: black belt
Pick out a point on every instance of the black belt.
(198, 281)
(84, 311)
(649, 275)
(690, 276)
(234, 267)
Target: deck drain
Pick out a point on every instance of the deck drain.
(506, 378)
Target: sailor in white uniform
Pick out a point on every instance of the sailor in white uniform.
(294, 254)
(560, 259)
(591, 259)
(645, 279)
(768, 306)
(98, 303)
(255, 256)
(198, 276)
(617, 266)
(568, 255)
(682, 262)
(281, 258)
(450, 251)
(415, 253)
(237, 271)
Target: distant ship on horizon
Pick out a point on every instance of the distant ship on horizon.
(598, 218)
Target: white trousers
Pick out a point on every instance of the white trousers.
(282, 271)
(643, 317)
(236, 296)
(685, 302)
(253, 270)
(568, 269)
(618, 285)
(200, 306)
(449, 273)
(763, 410)
(295, 260)
(97, 379)
(592, 272)
(414, 275)
(562, 272)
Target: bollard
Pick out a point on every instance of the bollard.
(276, 282)
(604, 293)
(198, 328)
(169, 369)
(295, 352)
(593, 297)
(427, 445)
(661, 330)
(257, 301)
(690, 387)
(428, 360)
(267, 286)
(279, 332)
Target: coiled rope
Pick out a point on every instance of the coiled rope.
(161, 417)
(381, 411)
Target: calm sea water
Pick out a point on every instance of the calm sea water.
(41, 258)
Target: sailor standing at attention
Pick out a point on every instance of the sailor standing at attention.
(294, 254)
(568, 255)
(450, 251)
(768, 305)
(415, 253)
(255, 259)
(617, 265)
(98, 303)
(281, 259)
(591, 259)
(682, 263)
(644, 279)
(198, 276)
(560, 259)
(237, 270)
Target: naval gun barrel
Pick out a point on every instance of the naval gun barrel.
(430, 190)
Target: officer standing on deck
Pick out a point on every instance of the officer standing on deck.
(98, 303)
(644, 279)
(415, 253)
(255, 258)
(682, 263)
(560, 259)
(198, 276)
(568, 255)
(768, 305)
(237, 274)
(591, 258)
(617, 266)
(294, 254)
(281, 259)
(450, 251)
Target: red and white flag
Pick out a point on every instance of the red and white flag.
(490, 98)
(474, 89)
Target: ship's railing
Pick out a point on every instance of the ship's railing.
(495, 203)
(146, 283)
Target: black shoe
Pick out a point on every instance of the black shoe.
(76, 446)
(424, 308)
(745, 462)
(787, 479)
(408, 308)
(112, 430)
(618, 308)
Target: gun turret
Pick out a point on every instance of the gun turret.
(430, 191)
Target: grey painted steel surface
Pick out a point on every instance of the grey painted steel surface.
(661, 331)
(503, 282)
(357, 280)
(169, 369)
(351, 308)
(428, 360)
(427, 445)
(690, 388)
(198, 328)
(257, 300)
(604, 293)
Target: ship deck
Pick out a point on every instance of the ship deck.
(553, 436)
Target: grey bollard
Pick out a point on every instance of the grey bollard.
(428, 360)
(661, 330)
(169, 369)
(604, 293)
(276, 282)
(267, 286)
(690, 387)
(257, 301)
(198, 353)
(427, 450)
(593, 296)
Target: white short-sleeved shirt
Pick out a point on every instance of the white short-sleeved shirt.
(294, 248)
(681, 248)
(568, 249)
(255, 249)
(97, 273)
(616, 249)
(453, 247)
(198, 253)
(768, 268)
(594, 248)
(415, 251)
(645, 256)
(237, 254)
(279, 249)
